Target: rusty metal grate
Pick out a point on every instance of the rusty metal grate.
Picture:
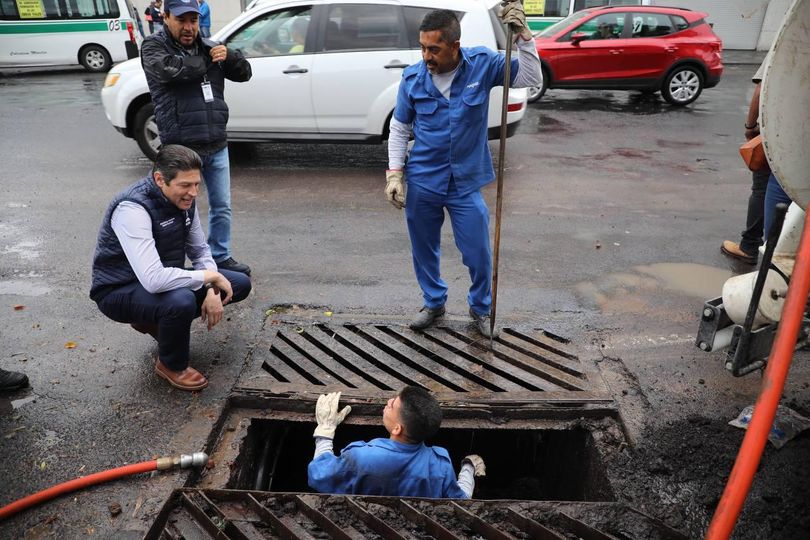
(373, 360)
(226, 514)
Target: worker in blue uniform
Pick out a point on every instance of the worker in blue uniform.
(443, 102)
(399, 466)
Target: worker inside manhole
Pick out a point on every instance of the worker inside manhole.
(525, 464)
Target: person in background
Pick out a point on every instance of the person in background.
(399, 466)
(205, 19)
(157, 16)
(299, 35)
(186, 76)
(148, 16)
(442, 101)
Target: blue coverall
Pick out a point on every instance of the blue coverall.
(448, 165)
(386, 467)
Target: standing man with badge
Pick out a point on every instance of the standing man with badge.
(443, 101)
(186, 76)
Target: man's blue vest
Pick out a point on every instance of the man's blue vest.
(170, 227)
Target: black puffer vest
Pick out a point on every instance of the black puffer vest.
(170, 227)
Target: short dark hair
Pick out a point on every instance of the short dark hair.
(175, 158)
(419, 413)
(445, 21)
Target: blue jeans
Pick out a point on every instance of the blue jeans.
(774, 195)
(469, 216)
(173, 311)
(217, 176)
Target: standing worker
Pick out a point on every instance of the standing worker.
(186, 76)
(399, 466)
(205, 19)
(443, 101)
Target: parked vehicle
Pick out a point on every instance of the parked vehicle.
(541, 14)
(671, 50)
(93, 33)
(323, 71)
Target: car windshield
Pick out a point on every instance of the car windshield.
(563, 24)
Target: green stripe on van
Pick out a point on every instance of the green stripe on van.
(55, 27)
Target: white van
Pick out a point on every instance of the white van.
(93, 33)
(337, 85)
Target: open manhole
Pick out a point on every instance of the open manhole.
(225, 514)
(529, 406)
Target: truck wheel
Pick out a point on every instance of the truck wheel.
(95, 58)
(683, 85)
(145, 130)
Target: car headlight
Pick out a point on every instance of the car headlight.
(111, 79)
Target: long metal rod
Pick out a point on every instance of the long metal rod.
(507, 73)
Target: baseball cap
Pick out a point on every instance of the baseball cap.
(180, 7)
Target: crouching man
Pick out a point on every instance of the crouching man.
(399, 466)
(138, 268)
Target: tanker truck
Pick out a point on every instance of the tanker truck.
(744, 319)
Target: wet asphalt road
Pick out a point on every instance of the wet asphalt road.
(616, 205)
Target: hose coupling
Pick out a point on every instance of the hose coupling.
(184, 461)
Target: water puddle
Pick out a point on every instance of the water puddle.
(696, 280)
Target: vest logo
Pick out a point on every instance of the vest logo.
(473, 85)
(166, 223)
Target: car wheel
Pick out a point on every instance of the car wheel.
(95, 58)
(146, 131)
(683, 85)
(536, 92)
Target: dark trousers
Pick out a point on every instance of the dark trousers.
(752, 235)
(173, 312)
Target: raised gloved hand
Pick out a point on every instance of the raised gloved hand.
(512, 14)
(327, 415)
(395, 188)
(477, 462)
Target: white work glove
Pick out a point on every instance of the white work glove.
(477, 462)
(395, 188)
(512, 14)
(327, 415)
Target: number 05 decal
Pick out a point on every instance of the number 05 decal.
(113, 25)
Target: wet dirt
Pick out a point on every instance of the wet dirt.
(679, 471)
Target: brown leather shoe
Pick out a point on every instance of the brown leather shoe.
(732, 249)
(189, 379)
(151, 329)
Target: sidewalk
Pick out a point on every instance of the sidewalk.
(737, 56)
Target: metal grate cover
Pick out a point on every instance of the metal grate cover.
(373, 360)
(234, 514)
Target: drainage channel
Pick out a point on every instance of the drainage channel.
(529, 406)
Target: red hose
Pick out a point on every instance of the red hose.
(742, 475)
(75, 484)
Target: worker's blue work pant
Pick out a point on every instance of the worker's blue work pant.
(469, 216)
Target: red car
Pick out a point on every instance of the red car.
(643, 48)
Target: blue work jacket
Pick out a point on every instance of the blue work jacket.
(386, 467)
(450, 135)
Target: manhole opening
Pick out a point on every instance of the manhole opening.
(556, 465)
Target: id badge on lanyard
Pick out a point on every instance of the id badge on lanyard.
(208, 93)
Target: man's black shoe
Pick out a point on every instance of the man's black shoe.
(233, 266)
(426, 317)
(482, 324)
(12, 380)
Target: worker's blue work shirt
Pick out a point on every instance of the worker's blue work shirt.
(450, 136)
(386, 467)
